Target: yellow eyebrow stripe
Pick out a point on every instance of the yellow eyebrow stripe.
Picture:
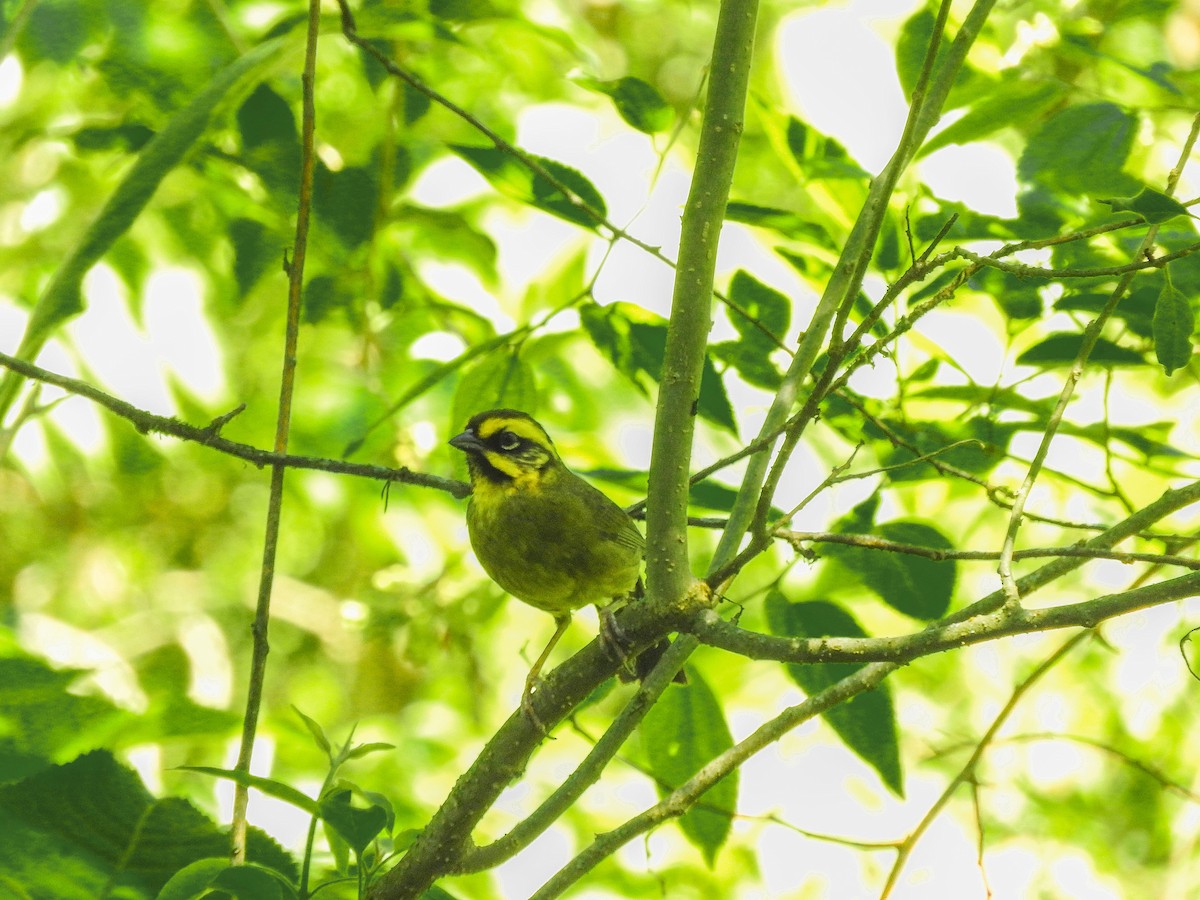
(522, 428)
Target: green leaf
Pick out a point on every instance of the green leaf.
(1062, 348)
(317, 732)
(92, 822)
(367, 749)
(346, 201)
(194, 879)
(128, 137)
(1013, 104)
(1136, 310)
(767, 306)
(415, 104)
(266, 118)
(912, 46)
(635, 340)
(713, 403)
(638, 102)
(681, 733)
(1018, 297)
(268, 786)
(1174, 322)
(246, 882)
(256, 250)
(820, 156)
(323, 296)
(887, 256)
(1156, 73)
(713, 495)
(1040, 211)
(499, 380)
(357, 827)
(515, 180)
(58, 30)
(867, 723)
(447, 235)
(784, 221)
(798, 138)
(61, 299)
(762, 321)
(462, 10)
(982, 395)
(751, 360)
(43, 720)
(914, 585)
(250, 882)
(1153, 206)
(1149, 439)
(976, 445)
(1081, 150)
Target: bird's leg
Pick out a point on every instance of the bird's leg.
(633, 668)
(614, 639)
(531, 680)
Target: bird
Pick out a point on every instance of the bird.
(545, 535)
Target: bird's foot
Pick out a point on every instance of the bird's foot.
(616, 644)
(531, 685)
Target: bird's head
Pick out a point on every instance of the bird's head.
(506, 446)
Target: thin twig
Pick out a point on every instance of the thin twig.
(1141, 262)
(873, 542)
(928, 98)
(209, 436)
(1183, 652)
(1090, 336)
(350, 31)
(967, 773)
(258, 663)
(1150, 771)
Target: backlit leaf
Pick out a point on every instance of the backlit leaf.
(635, 341)
(638, 102)
(1081, 150)
(914, 585)
(1174, 322)
(514, 179)
(1063, 348)
(681, 733)
(866, 723)
(499, 380)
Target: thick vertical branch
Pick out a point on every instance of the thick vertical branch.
(445, 842)
(262, 614)
(668, 572)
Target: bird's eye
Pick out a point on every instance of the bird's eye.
(508, 441)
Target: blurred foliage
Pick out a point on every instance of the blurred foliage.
(149, 155)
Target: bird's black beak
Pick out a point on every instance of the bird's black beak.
(467, 442)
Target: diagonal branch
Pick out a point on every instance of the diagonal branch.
(711, 629)
(682, 798)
